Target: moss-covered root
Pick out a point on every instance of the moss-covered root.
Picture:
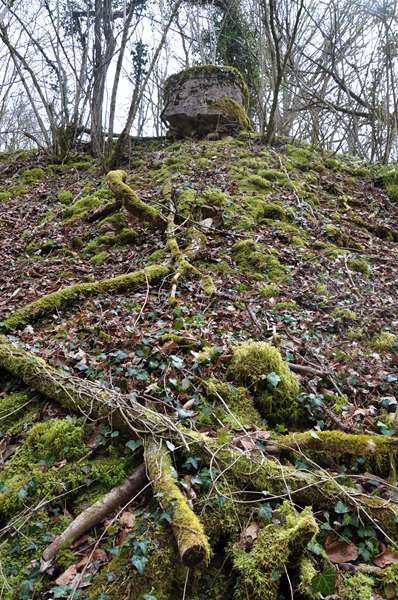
(333, 448)
(182, 259)
(96, 513)
(51, 302)
(278, 549)
(191, 539)
(117, 183)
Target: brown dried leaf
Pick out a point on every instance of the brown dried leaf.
(386, 557)
(67, 576)
(339, 550)
(248, 536)
(127, 519)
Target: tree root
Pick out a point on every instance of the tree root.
(93, 515)
(182, 258)
(191, 539)
(129, 200)
(250, 472)
(51, 302)
(104, 211)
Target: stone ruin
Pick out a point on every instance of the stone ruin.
(204, 100)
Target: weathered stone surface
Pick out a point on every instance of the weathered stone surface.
(205, 99)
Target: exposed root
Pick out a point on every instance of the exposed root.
(51, 302)
(124, 194)
(182, 259)
(93, 515)
(191, 539)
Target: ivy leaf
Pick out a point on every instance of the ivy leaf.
(133, 444)
(165, 516)
(177, 361)
(325, 582)
(341, 508)
(265, 512)
(139, 562)
(59, 591)
(273, 379)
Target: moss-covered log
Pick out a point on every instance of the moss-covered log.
(129, 199)
(249, 472)
(191, 539)
(52, 302)
(333, 448)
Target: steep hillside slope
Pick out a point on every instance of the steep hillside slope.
(248, 302)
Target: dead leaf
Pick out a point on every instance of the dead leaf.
(189, 404)
(248, 536)
(247, 440)
(67, 576)
(339, 550)
(127, 519)
(385, 558)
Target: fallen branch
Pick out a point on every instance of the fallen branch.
(55, 300)
(96, 513)
(327, 448)
(191, 539)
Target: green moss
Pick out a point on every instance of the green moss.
(273, 211)
(337, 448)
(288, 306)
(247, 255)
(58, 439)
(360, 265)
(277, 547)
(234, 111)
(260, 366)
(156, 256)
(269, 291)
(127, 236)
(341, 313)
(65, 196)
(216, 197)
(275, 272)
(5, 196)
(388, 176)
(356, 587)
(99, 258)
(383, 341)
(256, 182)
(32, 175)
(87, 203)
(390, 580)
(237, 399)
(100, 242)
(208, 285)
(16, 411)
(304, 158)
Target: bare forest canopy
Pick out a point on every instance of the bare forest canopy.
(320, 71)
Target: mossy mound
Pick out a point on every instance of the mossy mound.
(261, 570)
(260, 366)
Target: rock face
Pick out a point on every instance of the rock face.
(205, 99)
